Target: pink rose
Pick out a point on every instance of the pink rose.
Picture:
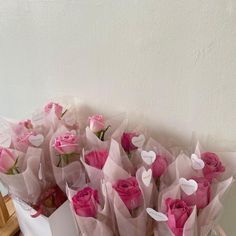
(7, 160)
(159, 166)
(213, 166)
(129, 192)
(85, 202)
(67, 143)
(126, 141)
(178, 212)
(201, 197)
(96, 158)
(96, 123)
(57, 109)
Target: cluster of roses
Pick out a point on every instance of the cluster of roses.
(119, 182)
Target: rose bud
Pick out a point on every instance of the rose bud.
(96, 158)
(7, 161)
(201, 197)
(177, 212)
(129, 192)
(57, 109)
(96, 123)
(126, 141)
(85, 202)
(67, 143)
(159, 166)
(213, 166)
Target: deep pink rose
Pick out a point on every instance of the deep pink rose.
(178, 212)
(129, 192)
(213, 166)
(201, 197)
(126, 141)
(57, 108)
(96, 158)
(85, 202)
(159, 166)
(67, 143)
(7, 160)
(96, 123)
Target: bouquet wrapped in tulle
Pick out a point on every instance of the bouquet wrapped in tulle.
(118, 180)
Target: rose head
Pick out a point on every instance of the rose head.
(7, 160)
(85, 202)
(126, 141)
(213, 166)
(67, 143)
(129, 192)
(57, 109)
(96, 158)
(178, 212)
(96, 123)
(201, 197)
(159, 166)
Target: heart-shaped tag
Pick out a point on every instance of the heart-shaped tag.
(138, 141)
(188, 186)
(36, 140)
(158, 216)
(148, 157)
(146, 177)
(5, 140)
(197, 163)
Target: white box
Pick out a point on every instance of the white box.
(60, 223)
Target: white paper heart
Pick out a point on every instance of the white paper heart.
(146, 177)
(138, 141)
(188, 186)
(158, 216)
(36, 140)
(148, 157)
(5, 140)
(197, 163)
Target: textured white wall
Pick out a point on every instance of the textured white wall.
(173, 63)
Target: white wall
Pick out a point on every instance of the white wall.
(172, 63)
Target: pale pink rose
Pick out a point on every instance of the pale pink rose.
(96, 123)
(57, 108)
(67, 143)
(96, 158)
(21, 142)
(177, 212)
(213, 166)
(129, 192)
(126, 141)
(201, 197)
(85, 202)
(159, 166)
(7, 160)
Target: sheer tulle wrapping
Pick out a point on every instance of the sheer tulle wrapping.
(26, 185)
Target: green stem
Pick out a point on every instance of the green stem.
(103, 132)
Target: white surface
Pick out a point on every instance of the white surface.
(60, 223)
(169, 63)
